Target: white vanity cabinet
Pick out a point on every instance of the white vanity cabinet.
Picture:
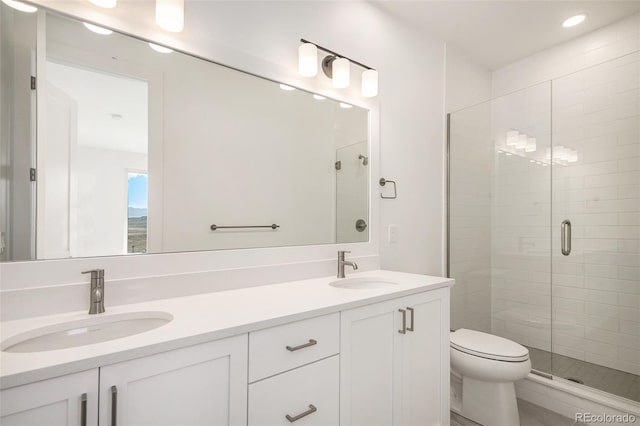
(394, 367)
(203, 385)
(70, 400)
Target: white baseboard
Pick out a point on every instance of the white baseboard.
(567, 398)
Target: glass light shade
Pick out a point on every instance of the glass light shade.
(108, 4)
(369, 83)
(308, 60)
(22, 7)
(96, 29)
(522, 141)
(512, 137)
(170, 15)
(531, 145)
(341, 73)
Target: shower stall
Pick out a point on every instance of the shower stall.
(544, 223)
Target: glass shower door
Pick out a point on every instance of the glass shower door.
(596, 227)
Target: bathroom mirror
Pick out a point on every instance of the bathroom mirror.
(140, 149)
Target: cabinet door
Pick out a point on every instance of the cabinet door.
(367, 340)
(204, 385)
(54, 402)
(423, 371)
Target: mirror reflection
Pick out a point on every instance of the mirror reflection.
(141, 149)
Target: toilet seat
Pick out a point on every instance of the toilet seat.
(487, 346)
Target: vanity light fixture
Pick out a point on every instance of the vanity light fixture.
(574, 20)
(337, 67)
(160, 49)
(170, 15)
(287, 88)
(107, 4)
(96, 29)
(22, 7)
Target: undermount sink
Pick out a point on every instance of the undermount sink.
(362, 283)
(96, 329)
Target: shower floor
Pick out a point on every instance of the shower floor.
(606, 379)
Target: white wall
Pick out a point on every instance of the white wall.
(262, 37)
(596, 290)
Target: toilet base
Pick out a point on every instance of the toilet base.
(490, 403)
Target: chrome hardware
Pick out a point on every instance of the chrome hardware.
(361, 225)
(565, 237)
(83, 409)
(364, 158)
(312, 409)
(404, 321)
(96, 302)
(338, 165)
(272, 226)
(383, 182)
(114, 406)
(306, 345)
(410, 328)
(342, 263)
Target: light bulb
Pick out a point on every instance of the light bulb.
(96, 29)
(341, 73)
(107, 4)
(22, 7)
(170, 15)
(308, 60)
(369, 83)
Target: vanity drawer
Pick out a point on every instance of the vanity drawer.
(281, 348)
(310, 393)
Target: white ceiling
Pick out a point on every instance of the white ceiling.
(497, 33)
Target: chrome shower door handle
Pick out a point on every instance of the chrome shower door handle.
(565, 237)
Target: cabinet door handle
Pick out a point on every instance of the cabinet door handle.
(404, 321)
(410, 328)
(83, 409)
(114, 406)
(565, 237)
(306, 345)
(312, 409)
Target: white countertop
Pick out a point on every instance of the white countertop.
(198, 319)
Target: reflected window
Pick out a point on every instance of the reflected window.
(137, 207)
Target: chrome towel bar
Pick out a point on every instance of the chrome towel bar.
(272, 226)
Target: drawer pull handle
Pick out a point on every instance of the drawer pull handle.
(404, 321)
(83, 409)
(312, 409)
(114, 406)
(411, 328)
(306, 345)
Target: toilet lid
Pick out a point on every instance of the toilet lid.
(487, 346)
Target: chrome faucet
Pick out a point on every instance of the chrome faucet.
(96, 304)
(342, 263)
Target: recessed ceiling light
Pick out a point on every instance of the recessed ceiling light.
(18, 5)
(574, 20)
(160, 49)
(287, 88)
(318, 97)
(96, 29)
(343, 105)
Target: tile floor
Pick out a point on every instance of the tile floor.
(530, 415)
(617, 382)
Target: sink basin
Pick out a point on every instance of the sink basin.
(96, 329)
(362, 283)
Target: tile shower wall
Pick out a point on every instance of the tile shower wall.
(596, 290)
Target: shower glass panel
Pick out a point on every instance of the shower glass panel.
(499, 219)
(596, 188)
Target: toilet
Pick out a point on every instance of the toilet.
(488, 366)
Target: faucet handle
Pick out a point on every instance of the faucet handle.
(95, 273)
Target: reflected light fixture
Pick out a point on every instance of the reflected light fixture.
(22, 7)
(318, 97)
(335, 66)
(96, 29)
(170, 15)
(308, 60)
(574, 20)
(107, 4)
(287, 88)
(345, 105)
(160, 49)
